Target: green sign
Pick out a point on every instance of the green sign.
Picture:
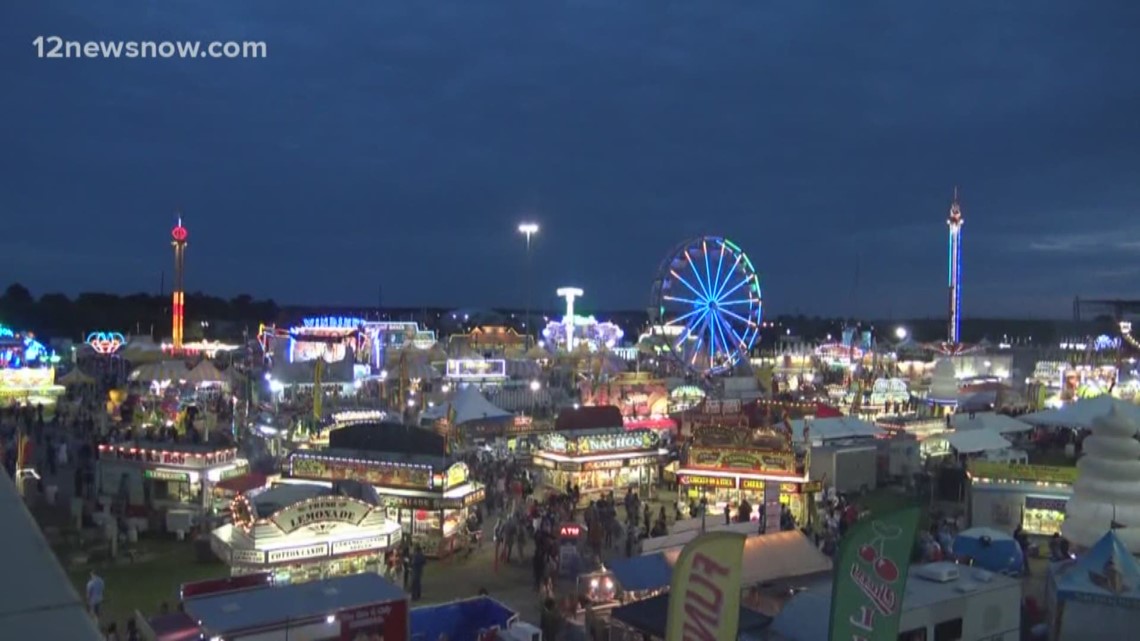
(167, 475)
(870, 577)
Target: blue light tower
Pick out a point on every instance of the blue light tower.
(954, 222)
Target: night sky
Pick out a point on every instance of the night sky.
(400, 143)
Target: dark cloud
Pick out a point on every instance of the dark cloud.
(400, 143)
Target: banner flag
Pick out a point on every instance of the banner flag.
(704, 595)
(870, 577)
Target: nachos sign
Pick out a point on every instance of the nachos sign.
(870, 577)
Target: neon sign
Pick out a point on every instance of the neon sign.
(468, 368)
(179, 233)
(332, 322)
(105, 342)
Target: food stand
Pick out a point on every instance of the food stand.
(725, 476)
(429, 503)
(1003, 495)
(303, 533)
(149, 476)
(599, 461)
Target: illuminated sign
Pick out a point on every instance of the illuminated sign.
(359, 545)
(26, 378)
(457, 475)
(752, 484)
(321, 511)
(105, 342)
(474, 368)
(696, 480)
(168, 457)
(381, 474)
(475, 497)
(332, 322)
(772, 462)
(1025, 473)
(167, 475)
(602, 465)
(631, 440)
(570, 530)
(247, 557)
(298, 554)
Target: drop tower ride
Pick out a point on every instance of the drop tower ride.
(954, 222)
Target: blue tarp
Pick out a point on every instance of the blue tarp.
(459, 620)
(649, 616)
(649, 572)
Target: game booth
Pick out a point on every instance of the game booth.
(429, 501)
(148, 478)
(27, 370)
(598, 461)
(304, 532)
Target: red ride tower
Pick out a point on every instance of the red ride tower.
(178, 236)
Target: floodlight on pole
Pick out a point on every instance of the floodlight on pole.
(527, 229)
(570, 294)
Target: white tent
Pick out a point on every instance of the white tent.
(773, 557)
(75, 377)
(689, 529)
(205, 372)
(468, 405)
(999, 423)
(834, 429)
(974, 441)
(1083, 412)
(161, 371)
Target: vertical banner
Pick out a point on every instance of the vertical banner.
(704, 595)
(870, 577)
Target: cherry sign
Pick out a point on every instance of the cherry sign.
(105, 342)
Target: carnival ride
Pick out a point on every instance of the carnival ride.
(707, 289)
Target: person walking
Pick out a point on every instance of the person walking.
(418, 563)
(95, 594)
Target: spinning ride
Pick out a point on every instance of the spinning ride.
(707, 304)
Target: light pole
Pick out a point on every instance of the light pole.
(528, 230)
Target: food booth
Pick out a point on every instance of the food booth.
(1002, 495)
(149, 476)
(302, 532)
(728, 475)
(429, 501)
(600, 461)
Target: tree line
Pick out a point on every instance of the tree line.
(55, 315)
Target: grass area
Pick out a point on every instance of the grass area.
(147, 584)
(1055, 457)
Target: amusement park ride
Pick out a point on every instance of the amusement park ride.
(707, 305)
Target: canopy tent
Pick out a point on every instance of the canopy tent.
(75, 377)
(974, 441)
(689, 529)
(469, 405)
(834, 428)
(650, 615)
(638, 573)
(466, 620)
(161, 371)
(772, 557)
(1097, 595)
(205, 372)
(997, 423)
(1082, 413)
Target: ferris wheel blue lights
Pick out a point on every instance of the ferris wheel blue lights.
(708, 304)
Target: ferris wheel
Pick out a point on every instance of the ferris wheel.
(707, 304)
